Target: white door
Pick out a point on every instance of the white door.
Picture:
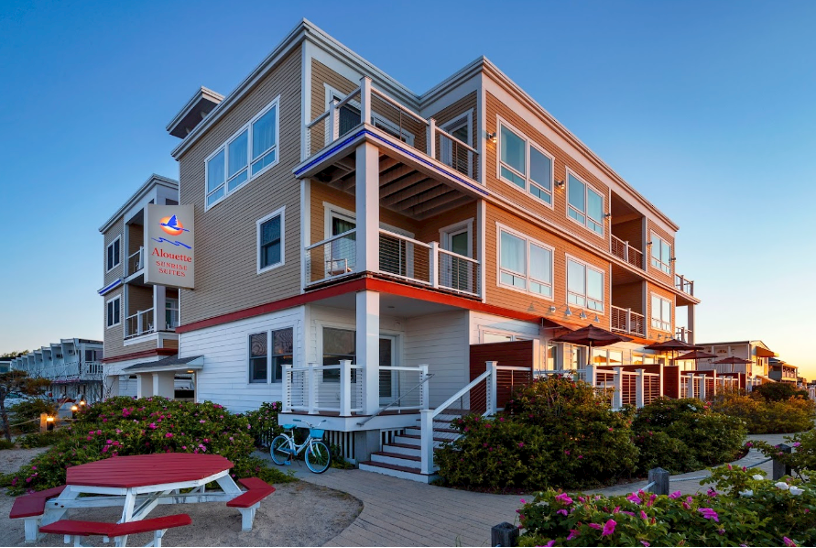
(457, 273)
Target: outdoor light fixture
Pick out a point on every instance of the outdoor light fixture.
(559, 184)
(82, 403)
(607, 215)
(568, 311)
(49, 422)
(190, 371)
(672, 259)
(74, 410)
(649, 243)
(553, 308)
(492, 137)
(597, 319)
(583, 315)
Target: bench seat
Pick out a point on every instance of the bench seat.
(77, 528)
(257, 490)
(28, 506)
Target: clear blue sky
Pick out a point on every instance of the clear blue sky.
(707, 108)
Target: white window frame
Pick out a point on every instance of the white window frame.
(526, 275)
(109, 325)
(376, 119)
(668, 270)
(528, 181)
(268, 332)
(117, 239)
(281, 212)
(514, 337)
(584, 213)
(224, 147)
(586, 266)
(663, 325)
(446, 147)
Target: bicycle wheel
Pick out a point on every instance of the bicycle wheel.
(318, 457)
(281, 449)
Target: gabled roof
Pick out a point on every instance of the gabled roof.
(144, 189)
(197, 108)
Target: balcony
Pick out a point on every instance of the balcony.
(684, 334)
(135, 262)
(684, 285)
(140, 323)
(626, 321)
(401, 257)
(626, 252)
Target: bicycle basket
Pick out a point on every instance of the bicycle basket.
(316, 433)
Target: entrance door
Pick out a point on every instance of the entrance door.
(389, 380)
(456, 272)
(343, 250)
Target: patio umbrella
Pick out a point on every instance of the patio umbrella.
(591, 336)
(733, 360)
(695, 355)
(673, 345)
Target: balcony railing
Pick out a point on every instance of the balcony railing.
(93, 369)
(171, 317)
(139, 324)
(136, 261)
(366, 104)
(623, 250)
(684, 285)
(684, 334)
(626, 321)
(402, 257)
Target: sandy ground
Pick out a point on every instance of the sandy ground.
(297, 514)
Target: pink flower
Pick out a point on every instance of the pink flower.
(573, 534)
(609, 527)
(634, 498)
(562, 511)
(552, 543)
(566, 452)
(523, 501)
(709, 513)
(643, 515)
(168, 435)
(788, 542)
(796, 444)
(595, 526)
(580, 456)
(675, 495)
(521, 444)
(563, 498)
(152, 426)
(644, 543)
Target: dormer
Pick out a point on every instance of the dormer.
(196, 109)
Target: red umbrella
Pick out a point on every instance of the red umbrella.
(591, 336)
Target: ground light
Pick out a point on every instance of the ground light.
(74, 409)
(49, 422)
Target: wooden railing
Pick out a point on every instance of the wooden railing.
(684, 285)
(626, 321)
(623, 250)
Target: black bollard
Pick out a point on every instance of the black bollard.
(504, 534)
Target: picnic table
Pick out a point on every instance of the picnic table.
(139, 483)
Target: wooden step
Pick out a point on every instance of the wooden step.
(398, 456)
(403, 472)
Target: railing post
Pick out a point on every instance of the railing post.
(660, 372)
(431, 138)
(433, 266)
(287, 388)
(617, 397)
(690, 388)
(334, 127)
(703, 381)
(492, 388)
(311, 388)
(628, 320)
(626, 251)
(345, 388)
(365, 100)
(426, 440)
(139, 322)
(424, 389)
(640, 396)
(779, 468)
(661, 479)
(591, 375)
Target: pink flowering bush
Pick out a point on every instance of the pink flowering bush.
(740, 510)
(124, 426)
(802, 460)
(264, 422)
(555, 432)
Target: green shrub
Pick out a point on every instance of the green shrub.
(553, 432)
(124, 426)
(5, 444)
(746, 512)
(30, 410)
(264, 422)
(42, 439)
(767, 416)
(777, 391)
(684, 435)
(803, 458)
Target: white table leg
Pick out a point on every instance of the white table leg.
(127, 514)
(53, 512)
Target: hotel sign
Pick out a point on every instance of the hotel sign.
(169, 250)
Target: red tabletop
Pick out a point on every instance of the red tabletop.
(142, 470)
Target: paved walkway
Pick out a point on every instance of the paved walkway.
(398, 512)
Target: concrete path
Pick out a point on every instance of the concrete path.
(399, 512)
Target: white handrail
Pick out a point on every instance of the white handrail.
(455, 139)
(458, 256)
(332, 239)
(398, 106)
(450, 401)
(405, 238)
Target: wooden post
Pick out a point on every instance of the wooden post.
(660, 371)
(626, 251)
(431, 138)
(492, 388)
(779, 468)
(312, 388)
(433, 266)
(424, 389)
(426, 444)
(690, 392)
(660, 477)
(617, 397)
(504, 534)
(334, 119)
(345, 388)
(287, 388)
(365, 100)
(640, 397)
(591, 377)
(628, 320)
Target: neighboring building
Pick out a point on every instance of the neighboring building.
(74, 367)
(5, 364)
(342, 218)
(783, 372)
(140, 319)
(758, 352)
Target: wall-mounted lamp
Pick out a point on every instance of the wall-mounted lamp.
(531, 307)
(672, 259)
(596, 319)
(552, 309)
(583, 315)
(568, 312)
(559, 184)
(492, 137)
(607, 215)
(649, 243)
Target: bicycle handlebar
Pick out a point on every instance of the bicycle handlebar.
(310, 424)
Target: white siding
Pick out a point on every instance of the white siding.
(225, 376)
(441, 341)
(118, 381)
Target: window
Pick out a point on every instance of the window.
(525, 264)
(245, 155)
(269, 351)
(502, 336)
(271, 241)
(338, 344)
(661, 254)
(113, 254)
(113, 311)
(661, 313)
(585, 286)
(585, 204)
(458, 157)
(525, 165)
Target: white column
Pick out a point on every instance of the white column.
(367, 202)
(164, 384)
(431, 138)
(690, 393)
(640, 398)
(617, 397)
(365, 100)
(368, 347)
(159, 304)
(426, 443)
(424, 389)
(690, 311)
(345, 388)
(144, 385)
(492, 388)
(433, 265)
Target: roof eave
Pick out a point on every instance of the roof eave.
(154, 179)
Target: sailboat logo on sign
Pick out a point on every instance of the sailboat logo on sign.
(172, 226)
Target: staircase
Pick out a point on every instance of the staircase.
(402, 459)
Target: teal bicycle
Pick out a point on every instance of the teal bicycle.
(318, 456)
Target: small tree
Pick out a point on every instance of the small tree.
(17, 381)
